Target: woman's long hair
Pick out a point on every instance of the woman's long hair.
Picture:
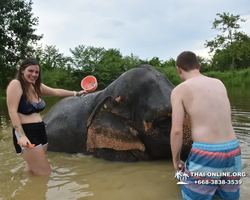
(37, 86)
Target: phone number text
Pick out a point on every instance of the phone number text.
(218, 182)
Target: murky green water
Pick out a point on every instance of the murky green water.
(81, 177)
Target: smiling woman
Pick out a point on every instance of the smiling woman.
(24, 104)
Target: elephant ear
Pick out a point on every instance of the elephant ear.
(106, 128)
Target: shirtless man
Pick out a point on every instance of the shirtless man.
(215, 146)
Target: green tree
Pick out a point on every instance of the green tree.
(221, 59)
(229, 26)
(130, 61)
(170, 63)
(85, 60)
(50, 58)
(205, 64)
(156, 62)
(86, 57)
(80, 57)
(109, 68)
(17, 35)
(56, 68)
(95, 56)
(243, 44)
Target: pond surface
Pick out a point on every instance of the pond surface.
(85, 177)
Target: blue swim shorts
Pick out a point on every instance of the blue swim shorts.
(213, 170)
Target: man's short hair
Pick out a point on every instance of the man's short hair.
(187, 61)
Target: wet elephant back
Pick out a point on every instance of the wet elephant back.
(66, 124)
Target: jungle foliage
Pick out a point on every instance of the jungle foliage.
(231, 46)
(17, 37)
(231, 53)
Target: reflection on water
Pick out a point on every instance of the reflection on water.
(240, 104)
(84, 177)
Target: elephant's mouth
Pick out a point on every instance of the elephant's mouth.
(156, 136)
(163, 122)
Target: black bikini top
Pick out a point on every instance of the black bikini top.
(25, 107)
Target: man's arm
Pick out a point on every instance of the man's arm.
(176, 136)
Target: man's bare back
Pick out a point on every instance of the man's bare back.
(206, 102)
(215, 145)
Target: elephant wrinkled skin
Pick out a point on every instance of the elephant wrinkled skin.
(130, 120)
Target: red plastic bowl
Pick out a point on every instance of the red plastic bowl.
(89, 83)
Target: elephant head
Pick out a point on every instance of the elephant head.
(129, 120)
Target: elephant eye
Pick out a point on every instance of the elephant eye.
(162, 122)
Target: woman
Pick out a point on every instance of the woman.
(24, 105)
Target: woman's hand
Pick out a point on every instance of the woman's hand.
(24, 142)
(81, 93)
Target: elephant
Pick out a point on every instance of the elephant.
(129, 120)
